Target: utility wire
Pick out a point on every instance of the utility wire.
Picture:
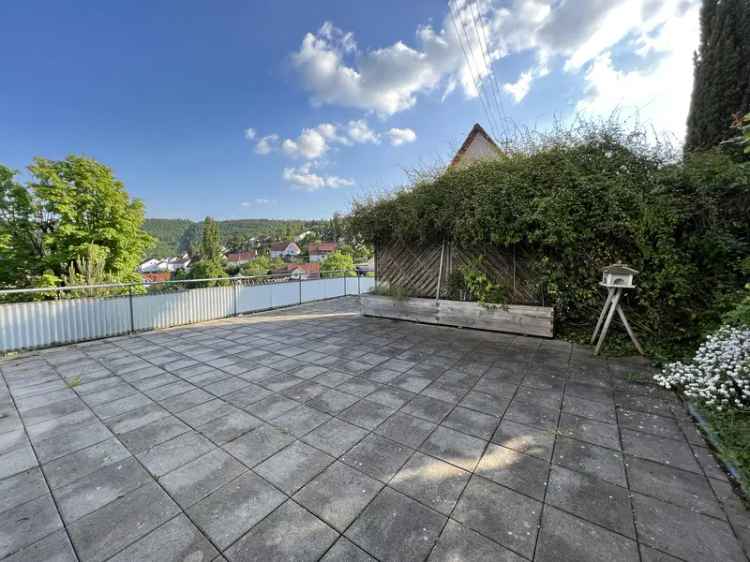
(494, 87)
(471, 70)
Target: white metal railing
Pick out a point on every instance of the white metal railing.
(122, 308)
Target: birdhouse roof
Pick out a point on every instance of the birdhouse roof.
(620, 268)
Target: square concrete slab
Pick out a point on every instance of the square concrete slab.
(428, 408)
(584, 429)
(150, 435)
(171, 454)
(289, 533)
(21, 488)
(565, 538)
(272, 407)
(338, 495)
(229, 512)
(256, 446)
(591, 459)
(27, 523)
(659, 449)
(102, 533)
(486, 403)
(332, 401)
(592, 499)
(292, 467)
(335, 436)
(81, 463)
(458, 543)
(532, 414)
(301, 421)
(405, 429)
(432, 482)
(229, 427)
(523, 473)
(525, 439)
(177, 540)
(195, 480)
(472, 422)
(599, 411)
(501, 514)
(683, 533)
(366, 414)
(394, 527)
(377, 457)
(52, 548)
(456, 448)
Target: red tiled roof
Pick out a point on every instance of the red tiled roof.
(280, 246)
(157, 277)
(241, 256)
(322, 248)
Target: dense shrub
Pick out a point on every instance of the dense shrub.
(587, 198)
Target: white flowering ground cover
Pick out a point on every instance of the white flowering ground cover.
(719, 375)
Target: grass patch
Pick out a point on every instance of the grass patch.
(732, 429)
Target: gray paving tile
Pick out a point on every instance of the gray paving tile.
(197, 479)
(650, 423)
(592, 499)
(591, 459)
(683, 533)
(454, 447)
(272, 407)
(99, 488)
(405, 429)
(659, 449)
(565, 538)
(431, 481)
(376, 456)
(428, 408)
(16, 454)
(485, 403)
(52, 548)
(229, 427)
(230, 511)
(332, 401)
(21, 488)
(501, 514)
(525, 439)
(673, 485)
(73, 439)
(338, 495)
(532, 414)
(52, 411)
(104, 532)
(82, 463)
(177, 540)
(256, 446)
(366, 414)
(147, 436)
(167, 456)
(136, 418)
(289, 533)
(458, 543)
(345, 550)
(205, 412)
(301, 421)
(335, 436)
(472, 422)
(584, 429)
(599, 411)
(304, 391)
(523, 473)
(294, 466)
(394, 527)
(121, 406)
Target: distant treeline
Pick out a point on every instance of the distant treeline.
(176, 236)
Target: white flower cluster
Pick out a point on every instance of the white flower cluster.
(719, 374)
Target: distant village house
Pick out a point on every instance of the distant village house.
(299, 271)
(241, 258)
(319, 252)
(284, 250)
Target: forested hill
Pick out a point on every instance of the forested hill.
(176, 236)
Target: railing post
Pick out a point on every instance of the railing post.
(345, 283)
(234, 292)
(359, 289)
(300, 290)
(132, 316)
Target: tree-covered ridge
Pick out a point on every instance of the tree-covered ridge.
(175, 236)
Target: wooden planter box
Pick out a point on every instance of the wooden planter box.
(514, 318)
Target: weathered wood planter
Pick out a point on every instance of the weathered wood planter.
(514, 318)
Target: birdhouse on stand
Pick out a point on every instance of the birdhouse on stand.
(616, 278)
(618, 275)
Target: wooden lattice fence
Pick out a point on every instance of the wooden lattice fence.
(420, 268)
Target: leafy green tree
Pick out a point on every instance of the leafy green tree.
(210, 242)
(20, 240)
(337, 264)
(721, 88)
(81, 203)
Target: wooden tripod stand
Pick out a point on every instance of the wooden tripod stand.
(610, 306)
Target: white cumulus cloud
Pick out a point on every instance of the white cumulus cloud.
(304, 177)
(250, 133)
(401, 136)
(359, 131)
(266, 144)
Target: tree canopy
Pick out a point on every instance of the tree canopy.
(70, 209)
(721, 88)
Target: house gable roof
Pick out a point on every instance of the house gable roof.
(281, 246)
(321, 248)
(476, 131)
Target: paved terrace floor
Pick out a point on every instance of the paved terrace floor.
(314, 433)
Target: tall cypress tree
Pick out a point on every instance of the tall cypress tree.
(722, 73)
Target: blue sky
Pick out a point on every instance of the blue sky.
(347, 95)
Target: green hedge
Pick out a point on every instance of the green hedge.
(586, 201)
